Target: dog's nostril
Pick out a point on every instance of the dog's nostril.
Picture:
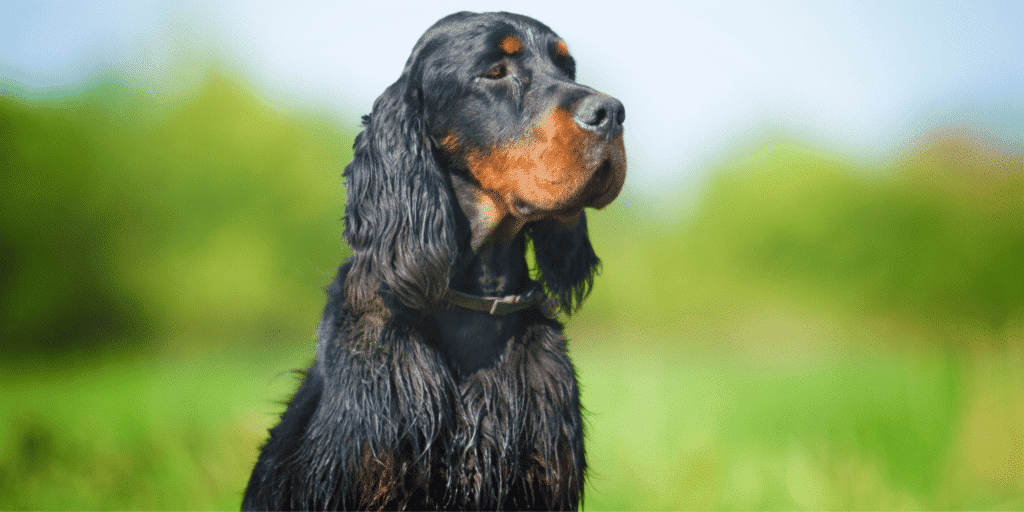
(600, 112)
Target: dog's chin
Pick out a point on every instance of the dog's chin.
(567, 218)
(597, 193)
(564, 215)
(526, 212)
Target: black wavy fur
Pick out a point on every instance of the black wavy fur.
(393, 414)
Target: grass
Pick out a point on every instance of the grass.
(672, 431)
(171, 432)
(760, 421)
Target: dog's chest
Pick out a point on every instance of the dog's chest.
(472, 341)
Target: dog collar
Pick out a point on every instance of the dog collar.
(498, 305)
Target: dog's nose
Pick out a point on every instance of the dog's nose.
(601, 114)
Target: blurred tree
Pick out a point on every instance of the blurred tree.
(55, 291)
(939, 237)
(127, 217)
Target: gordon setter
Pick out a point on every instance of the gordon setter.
(441, 378)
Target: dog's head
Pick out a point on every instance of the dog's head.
(492, 98)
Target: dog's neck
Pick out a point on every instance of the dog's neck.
(493, 269)
(492, 263)
(490, 223)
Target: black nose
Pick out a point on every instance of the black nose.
(601, 114)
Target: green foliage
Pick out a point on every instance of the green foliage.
(939, 235)
(213, 214)
(133, 216)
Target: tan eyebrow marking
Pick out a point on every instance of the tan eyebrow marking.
(450, 143)
(561, 50)
(511, 45)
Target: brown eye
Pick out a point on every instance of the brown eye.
(496, 72)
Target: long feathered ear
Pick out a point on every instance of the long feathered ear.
(566, 261)
(398, 216)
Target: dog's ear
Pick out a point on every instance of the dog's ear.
(566, 261)
(399, 219)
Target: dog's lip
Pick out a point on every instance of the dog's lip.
(606, 185)
(603, 198)
(600, 181)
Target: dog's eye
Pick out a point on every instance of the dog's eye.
(496, 72)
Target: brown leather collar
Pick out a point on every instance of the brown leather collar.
(499, 305)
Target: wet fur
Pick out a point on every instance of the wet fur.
(396, 412)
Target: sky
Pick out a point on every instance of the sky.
(860, 79)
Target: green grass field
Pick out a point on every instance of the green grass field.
(672, 424)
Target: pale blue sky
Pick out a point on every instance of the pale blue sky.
(858, 78)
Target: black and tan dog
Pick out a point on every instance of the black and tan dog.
(441, 377)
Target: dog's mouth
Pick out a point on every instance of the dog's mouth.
(555, 178)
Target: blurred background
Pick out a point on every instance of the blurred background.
(813, 285)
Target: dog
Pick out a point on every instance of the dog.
(441, 378)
